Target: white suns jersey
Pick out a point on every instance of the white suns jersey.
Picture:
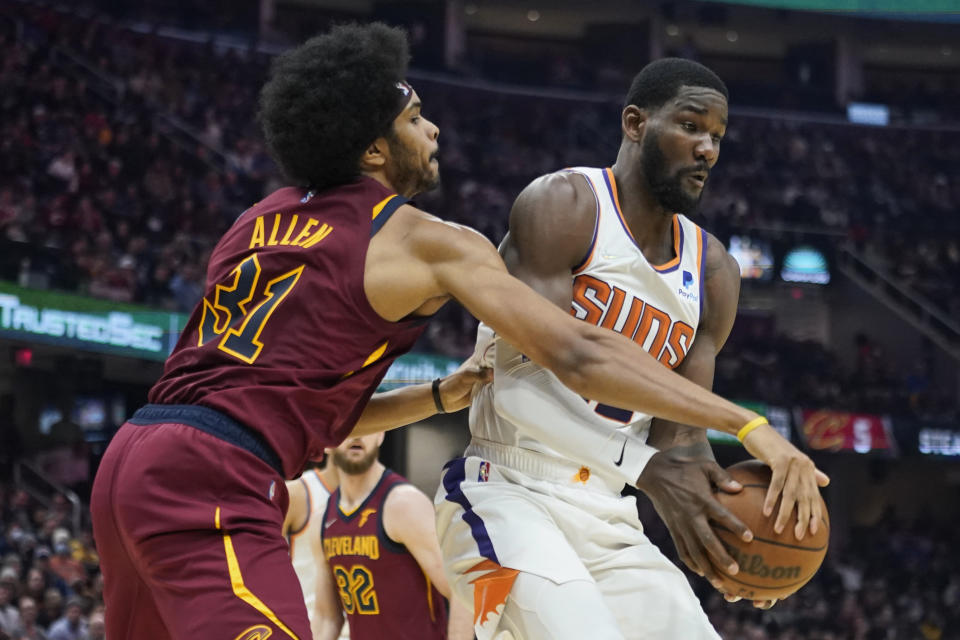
(615, 287)
(304, 562)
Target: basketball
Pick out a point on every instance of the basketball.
(772, 565)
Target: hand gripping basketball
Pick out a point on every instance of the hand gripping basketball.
(794, 476)
(772, 565)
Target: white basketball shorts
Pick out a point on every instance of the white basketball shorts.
(532, 515)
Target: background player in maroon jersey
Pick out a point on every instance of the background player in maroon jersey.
(382, 565)
(310, 296)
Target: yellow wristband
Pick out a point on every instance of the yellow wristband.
(750, 426)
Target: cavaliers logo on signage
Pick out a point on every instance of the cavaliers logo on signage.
(826, 430)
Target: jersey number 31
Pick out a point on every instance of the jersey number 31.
(234, 317)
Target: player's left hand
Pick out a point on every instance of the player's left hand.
(456, 389)
(681, 488)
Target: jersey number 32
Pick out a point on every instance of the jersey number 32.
(356, 589)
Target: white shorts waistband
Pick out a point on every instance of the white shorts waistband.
(542, 466)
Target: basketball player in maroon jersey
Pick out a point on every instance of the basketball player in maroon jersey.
(310, 296)
(382, 566)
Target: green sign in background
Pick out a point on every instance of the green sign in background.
(414, 368)
(863, 6)
(89, 324)
(779, 418)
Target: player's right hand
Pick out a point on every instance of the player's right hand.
(680, 485)
(795, 477)
(457, 389)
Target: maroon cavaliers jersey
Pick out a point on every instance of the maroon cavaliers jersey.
(285, 340)
(382, 589)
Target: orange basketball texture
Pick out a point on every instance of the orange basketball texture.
(772, 565)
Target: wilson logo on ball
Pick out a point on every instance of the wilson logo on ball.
(755, 565)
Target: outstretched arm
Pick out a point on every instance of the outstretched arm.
(400, 407)
(439, 260)
(594, 362)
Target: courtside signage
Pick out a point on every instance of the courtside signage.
(939, 442)
(779, 418)
(826, 430)
(415, 368)
(86, 323)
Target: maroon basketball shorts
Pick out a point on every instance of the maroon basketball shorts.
(188, 527)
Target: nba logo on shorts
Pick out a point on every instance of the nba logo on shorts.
(484, 474)
(272, 491)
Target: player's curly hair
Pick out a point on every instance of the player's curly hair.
(328, 99)
(660, 80)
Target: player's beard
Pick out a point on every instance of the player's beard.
(355, 467)
(666, 188)
(410, 177)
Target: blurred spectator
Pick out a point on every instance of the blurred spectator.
(96, 629)
(28, 629)
(36, 584)
(64, 564)
(71, 626)
(52, 607)
(9, 616)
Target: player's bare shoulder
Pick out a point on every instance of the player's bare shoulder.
(413, 238)
(557, 203)
(406, 510)
(412, 259)
(721, 284)
(551, 222)
(719, 263)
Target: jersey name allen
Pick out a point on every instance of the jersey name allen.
(287, 231)
(601, 304)
(368, 546)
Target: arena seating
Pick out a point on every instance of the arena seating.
(124, 156)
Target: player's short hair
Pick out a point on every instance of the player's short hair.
(328, 99)
(660, 81)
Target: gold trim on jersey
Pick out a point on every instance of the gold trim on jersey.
(240, 589)
(378, 208)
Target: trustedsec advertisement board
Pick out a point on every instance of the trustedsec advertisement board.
(83, 323)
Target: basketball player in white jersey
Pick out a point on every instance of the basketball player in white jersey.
(531, 523)
(303, 523)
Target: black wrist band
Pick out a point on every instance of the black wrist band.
(436, 396)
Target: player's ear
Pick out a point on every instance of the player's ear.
(633, 120)
(376, 155)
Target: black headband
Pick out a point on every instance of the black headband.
(404, 92)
